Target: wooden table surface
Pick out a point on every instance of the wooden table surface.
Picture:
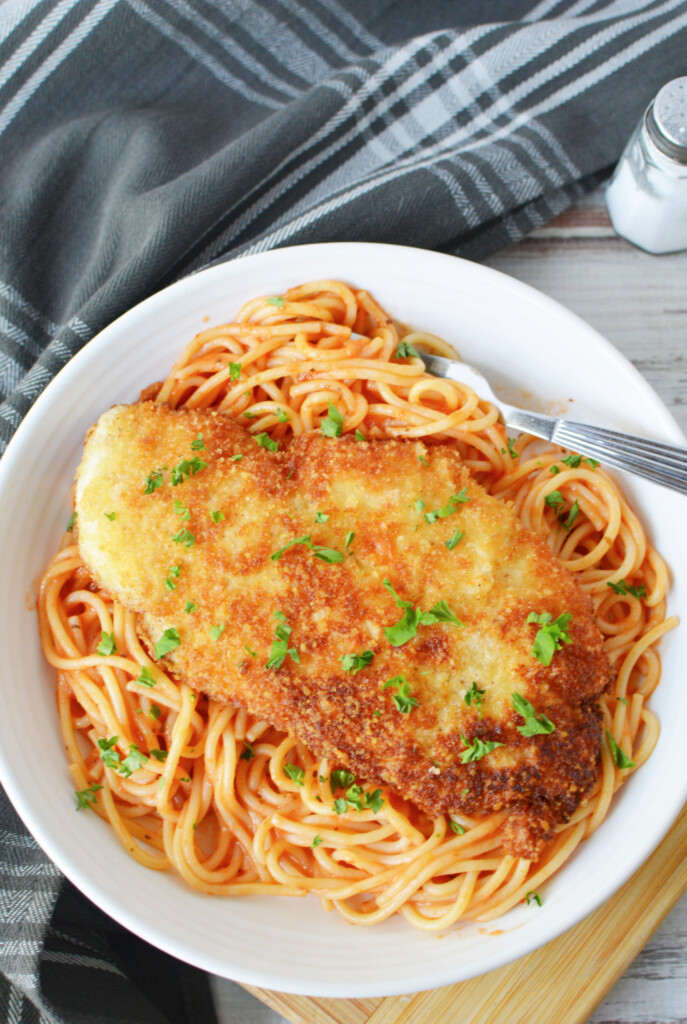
(638, 302)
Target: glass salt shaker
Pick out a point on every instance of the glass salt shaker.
(647, 195)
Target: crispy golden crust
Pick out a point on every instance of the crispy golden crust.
(491, 580)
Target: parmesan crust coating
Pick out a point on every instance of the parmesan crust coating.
(493, 577)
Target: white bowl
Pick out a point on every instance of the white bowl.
(515, 335)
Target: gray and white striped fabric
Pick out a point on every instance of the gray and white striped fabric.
(141, 140)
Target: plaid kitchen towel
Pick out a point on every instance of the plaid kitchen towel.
(142, 139)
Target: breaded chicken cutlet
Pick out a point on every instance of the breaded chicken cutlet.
(367, 597)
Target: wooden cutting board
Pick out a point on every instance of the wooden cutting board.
(563, 981)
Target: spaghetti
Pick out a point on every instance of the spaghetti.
(236, 806)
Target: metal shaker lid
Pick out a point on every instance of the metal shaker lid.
(666, 120)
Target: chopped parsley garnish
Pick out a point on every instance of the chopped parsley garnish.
(170, 584)
(535, 725)
(132, 762)
(276, 555)
(282, 416)
(329, 555)
(477, 749)
(236, 458)
(247, 754)
(572, 515)
(110, 515)
(321, 517)
(146, 678)
(107, 644)
(184, 537)
(357, 800)
(167, 642)
(110, 757)
(511, 448)
(265, 441)
(359, 436)
(448, 508)
(554, 469)
(182, 510)
(551, 635)
(532, 897)
(253, 654)
(374, 800)
(234, 371)
(620, 758)
(623, 700)
(474, 696)
(332, 425)
(407, 626)
(216, 631)
(554, 499)
(153, 481)
(217, 516)
(593, 463)
(198, 445)
(159, 755)
(404, 349)
(70, 524)
(280, 645)
(403, 698)
(316, 842)
(460, 830)
(296, 774)
(173, 570)
(422, 460)
(572, 461)
(86, 797)
(155, 712)
(353, 663)
(277, 301)
(623, 587)
(186, 469)
(455, 539)
(419, 505)
(350, 537)
(341, 779)
(250, 415)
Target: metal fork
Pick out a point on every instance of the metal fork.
(663, 464)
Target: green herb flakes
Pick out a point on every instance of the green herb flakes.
(449, 507)
(86, 797)
(265, 441)
(353, 663)
(186, 469)
(190, 607)
(216, 631)
(532, 897)
(535, 725)
(475, 696)
(332, 425)
(460, 830)
(146, 678)
(280, 645)
(198, 445)
(277, 301)
(247, 754)
(184, 537)
(455, 539)
(110, 515)
(107, 644)
(620, 758)
(182, 510)
(551, 635)
(70, 524)
(477, 749)
(405, 350)
(623, 587)
(234, 371)
(359, 436)
(153, 481)
(403, 698)
(167, 642)
(316, 842)
(296, 774)
(217, 516)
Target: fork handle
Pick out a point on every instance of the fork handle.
(663, 464)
